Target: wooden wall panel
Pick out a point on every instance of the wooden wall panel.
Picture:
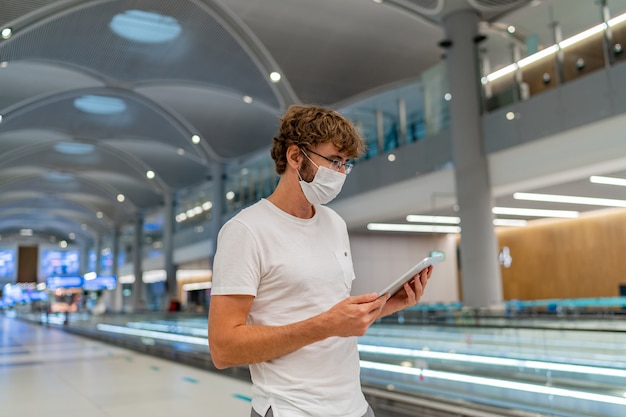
(584, 257)
(27, 264)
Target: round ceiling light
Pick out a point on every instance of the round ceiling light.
(145, 27)
(101, 105)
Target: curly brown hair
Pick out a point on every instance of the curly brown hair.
(307, 125)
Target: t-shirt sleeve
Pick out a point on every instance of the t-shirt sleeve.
(237, 264)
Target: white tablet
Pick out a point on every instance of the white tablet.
(398, 283)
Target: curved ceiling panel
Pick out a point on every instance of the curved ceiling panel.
(43, 78)
(139, 118)
(203, 51)
(232, 127)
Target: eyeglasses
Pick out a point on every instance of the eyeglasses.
(334, 163)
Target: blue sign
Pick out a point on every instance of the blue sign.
(64, 282)
(101, 282)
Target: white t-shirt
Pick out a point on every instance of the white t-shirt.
(296, 268)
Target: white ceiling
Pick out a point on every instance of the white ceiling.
(328, 52)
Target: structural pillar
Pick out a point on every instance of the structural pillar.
(139, 298)
(480, 271)
(217, 208)
(116, 302)
(168, 245)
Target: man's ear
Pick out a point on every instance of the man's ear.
(294, 156)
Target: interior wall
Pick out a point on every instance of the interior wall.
(380, 256)
(577, 258)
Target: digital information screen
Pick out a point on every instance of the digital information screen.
(54, 262)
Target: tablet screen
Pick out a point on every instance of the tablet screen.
(398, 283)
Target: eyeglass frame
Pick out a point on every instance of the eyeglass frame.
(334, 163)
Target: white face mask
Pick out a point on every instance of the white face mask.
(325, 186)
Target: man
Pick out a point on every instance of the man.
(282, 276)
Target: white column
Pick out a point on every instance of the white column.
(482, 285)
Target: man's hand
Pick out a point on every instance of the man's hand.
(354, 315)
(410, 294)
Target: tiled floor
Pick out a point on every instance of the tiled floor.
(47, 372)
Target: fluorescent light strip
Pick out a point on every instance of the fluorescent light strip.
(511, 211)
(553, 198)
(418, 218)
(502, 72)
(608, 180)
(154, 335)
(539, 55)
(616, 20)
(389, 227)
(554, 48)
(510, 222)
(491, 360)
(583, 35)
(498, 383)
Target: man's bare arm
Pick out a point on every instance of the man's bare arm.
(233, 342)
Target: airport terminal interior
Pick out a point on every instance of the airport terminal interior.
(132, 130)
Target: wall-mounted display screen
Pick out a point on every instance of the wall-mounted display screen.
(55, 262)
(7, 263)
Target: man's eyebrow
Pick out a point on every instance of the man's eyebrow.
(339, 157)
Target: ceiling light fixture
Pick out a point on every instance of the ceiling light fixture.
(509, 222)
(554, 48)
(195, 139)
(608, 180)
(275, 77)
(145, 27)
(512, 211)
(150, 174)
(101, 105)
(570, 199)
(423, 228)
(418, 218)
(6, 33)
(247, 99)
(74, 148)
(121, 198)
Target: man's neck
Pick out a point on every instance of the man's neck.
(289, 198)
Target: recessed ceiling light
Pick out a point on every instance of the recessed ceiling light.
(6, 33)
(608, 180)
(195, 139)
(4, 64)
(74, 148)
(447, 97)
(121, 198)
(513, 211)
(150, 174)
(424, 228)
(57, 176)
(275, 77)
(511, 29)
(99, 215)
(145, 27)
(391, 157)
(418, 218)
(247, 99)
(180, 151)
(570, 199)
(102, 105)
(509, 222)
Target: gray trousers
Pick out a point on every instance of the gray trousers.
(368, 413)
